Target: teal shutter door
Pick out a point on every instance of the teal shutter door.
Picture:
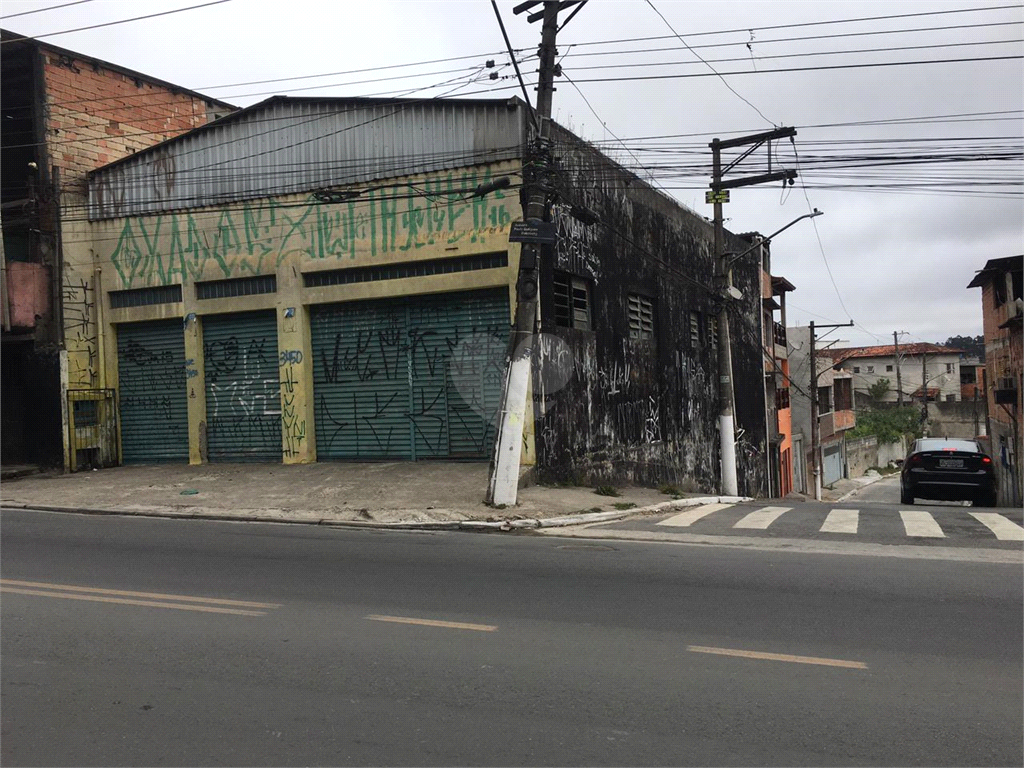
(243, 387)
(152, 391)
(411, 378)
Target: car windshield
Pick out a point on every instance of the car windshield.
(937, 444)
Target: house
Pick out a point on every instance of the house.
(64, 114)
(833, 392)
(972, 374)
(1002, 302)
(921, 367)
(313, 279)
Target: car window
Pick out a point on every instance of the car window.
(940, 444)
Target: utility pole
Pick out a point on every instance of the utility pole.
(723, 280)
(503, 487)
(813, 393)
(899, 378)
(924, 388)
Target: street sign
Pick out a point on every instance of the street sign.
(721, 196)
(532, 231)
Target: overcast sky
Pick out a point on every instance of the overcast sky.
(900, 257)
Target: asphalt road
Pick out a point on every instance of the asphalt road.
(120, 648)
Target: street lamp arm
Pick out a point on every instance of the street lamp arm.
(768, 239)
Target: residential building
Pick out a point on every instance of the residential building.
(332, 279)
(833, 391)
(64, 114)
(922, 367)
(972, 376)
(1002, 302)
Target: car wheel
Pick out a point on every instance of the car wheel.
(905, 496)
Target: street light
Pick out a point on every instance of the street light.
(727, 392)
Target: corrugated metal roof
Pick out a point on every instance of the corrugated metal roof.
(287, 145)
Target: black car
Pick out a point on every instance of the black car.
(948, 470)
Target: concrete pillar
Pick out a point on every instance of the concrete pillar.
(298, 438)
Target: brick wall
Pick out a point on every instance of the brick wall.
(95, 115)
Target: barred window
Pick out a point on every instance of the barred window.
(641, 317)
(713, 331)
(694, 330)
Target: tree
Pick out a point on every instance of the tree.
(889, 425)
(971, 345)
(878, 391)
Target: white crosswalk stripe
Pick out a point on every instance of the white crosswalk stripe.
(691, 516)
(841, 521)
(1005, 530)
(921, 524)
(762, 518)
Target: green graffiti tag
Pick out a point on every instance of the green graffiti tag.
(255, 237)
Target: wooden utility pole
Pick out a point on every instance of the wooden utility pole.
(899, 378)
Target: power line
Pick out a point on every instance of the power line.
(112, 23)
(720, 77)
(41, 10)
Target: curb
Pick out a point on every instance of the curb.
(848, 494)
(510, 524)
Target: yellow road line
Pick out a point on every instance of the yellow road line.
(778, 657)
(125, 601)
(124, 593)
(433, 623)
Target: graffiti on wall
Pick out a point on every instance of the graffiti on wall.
(80, 331)
(292, 423)
(254, 237)
(380, 387)
(150, 386)
(243, 404)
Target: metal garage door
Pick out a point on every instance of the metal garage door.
(832, 465)
(412, 378)
(243, 387)
(152, 391)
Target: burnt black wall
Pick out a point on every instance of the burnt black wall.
(619, 410)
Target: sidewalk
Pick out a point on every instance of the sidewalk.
(846, 487)
(394, 494)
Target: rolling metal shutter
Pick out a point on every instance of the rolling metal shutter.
(243, 387)
(412, 378)
(152, 391)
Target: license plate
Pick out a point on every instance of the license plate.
(951, 463)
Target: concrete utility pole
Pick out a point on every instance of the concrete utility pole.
(723, 279)
(815, 431)
(503, 488)
(899, 378)
(924, 387)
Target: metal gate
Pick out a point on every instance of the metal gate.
(92, 428)
(243, 387)
(831, 465)
(412, 378)
(152, 396)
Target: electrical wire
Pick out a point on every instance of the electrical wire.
(41, 10)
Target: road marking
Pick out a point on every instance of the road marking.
(125, 601)
(762, 518)
(1005, 530)
(126, 593)
(841, 521)
(691, 516)
(434, 623)
(919, 523)
(778, 657)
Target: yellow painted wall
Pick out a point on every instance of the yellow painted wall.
(415, 218)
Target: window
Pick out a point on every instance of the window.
(950, 398)
(871, 369)
(856, 369)
(713, 331)
(999, 290)
(824, 400)
(694, 330)
(949, 367)
(968, 375)
(572, 302)
(843, 394)
(641, 317)
(888, 369)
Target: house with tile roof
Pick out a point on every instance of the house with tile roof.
(920, 370)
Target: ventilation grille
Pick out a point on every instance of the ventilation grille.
(405, 269)
(144, 297)
(242, 286)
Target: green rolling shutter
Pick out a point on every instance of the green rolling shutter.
(243, 387)
(152, 391)
(411, 378)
